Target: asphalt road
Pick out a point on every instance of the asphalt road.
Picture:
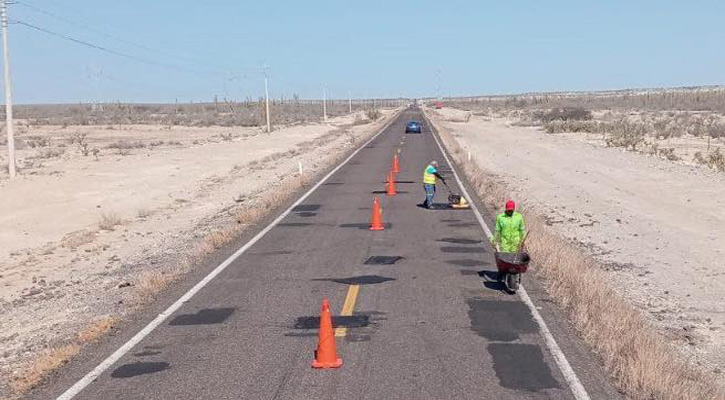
(427, 322)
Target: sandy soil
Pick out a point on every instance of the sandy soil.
(59, 267)
(658, 226)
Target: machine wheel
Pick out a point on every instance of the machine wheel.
(512, 282)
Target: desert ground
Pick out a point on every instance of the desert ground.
(654, 220)
(102, 217)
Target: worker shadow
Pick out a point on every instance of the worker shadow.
(490, 280)
(435, 206)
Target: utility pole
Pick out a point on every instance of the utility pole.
(324, 105)
(8, 91)
(266, 98)
(349, 104)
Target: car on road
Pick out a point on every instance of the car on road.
(413, 127)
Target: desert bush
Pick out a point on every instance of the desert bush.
(716, 130)
(626, 134)
(48, 153)
(565, 114)
(37, 141)
(77, 137)
(373, 114)
(714, 159)
(109, 221)
(664, 152)
(126, 145)
(360, 121)
(559, 126)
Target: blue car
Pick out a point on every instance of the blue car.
(413, 127)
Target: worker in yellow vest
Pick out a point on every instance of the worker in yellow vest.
(429, 183)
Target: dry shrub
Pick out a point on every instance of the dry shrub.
(151, 283)
(37, 141)
(559, 126)
(565, 114)
(249, 215)
(640, 360)
(217, 239)
(126, 145)
(47, 153)
(714, 159)
(373, 114)
(360, 121)
(626, 134)
(109, 221)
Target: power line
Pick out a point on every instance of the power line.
(103, 33)
(111, 51)
(108, 35)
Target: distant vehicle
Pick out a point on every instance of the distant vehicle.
(413, 127)
(439, 105)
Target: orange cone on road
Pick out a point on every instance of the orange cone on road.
(377, 224)
(326, 353)
(396, 164)
(391, 184)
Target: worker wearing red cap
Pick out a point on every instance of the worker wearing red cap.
(510, 229)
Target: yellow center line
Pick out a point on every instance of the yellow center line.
(347, 308)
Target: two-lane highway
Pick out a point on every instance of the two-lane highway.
(416, 312)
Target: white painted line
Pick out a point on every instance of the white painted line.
(108, 362)
(572, 380)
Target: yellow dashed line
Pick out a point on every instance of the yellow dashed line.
(347, 308)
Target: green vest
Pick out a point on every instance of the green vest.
(509, 232)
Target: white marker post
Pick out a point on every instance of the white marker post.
(8, 91)
(299, 164)
(266, 99)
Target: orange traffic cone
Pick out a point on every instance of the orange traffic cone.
(326, 353)
(396, 164)
(377, 224)
(391, 184)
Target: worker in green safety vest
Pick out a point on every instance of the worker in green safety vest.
(429, 183)
(510, 230)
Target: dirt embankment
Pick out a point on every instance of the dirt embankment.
(87, 237)
(656, 226)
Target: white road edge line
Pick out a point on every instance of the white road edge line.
(572, 380)
(126, 347)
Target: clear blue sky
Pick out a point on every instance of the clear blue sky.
(369, 48)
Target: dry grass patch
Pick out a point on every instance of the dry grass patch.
(639, 359)
(47, 362)
(109, 221)
(98, 329)
(54, 358)
(76, 239)
(150, 283)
